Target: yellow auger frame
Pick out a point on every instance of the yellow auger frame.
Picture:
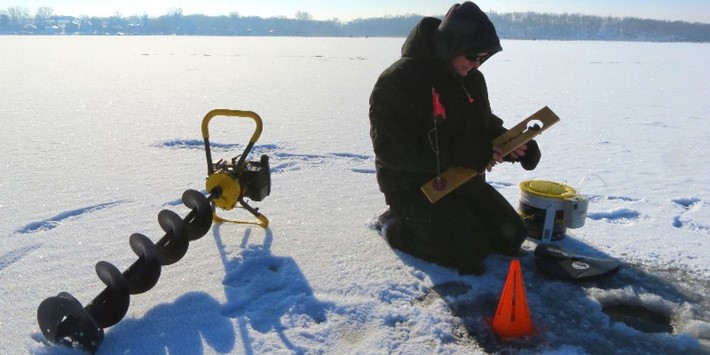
(228, 182)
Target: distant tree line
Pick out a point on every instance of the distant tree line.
(18, 21)
(584, 27)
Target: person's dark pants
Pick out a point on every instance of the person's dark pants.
(458, 231)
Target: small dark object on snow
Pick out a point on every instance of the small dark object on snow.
(639, 318)
(562, 264)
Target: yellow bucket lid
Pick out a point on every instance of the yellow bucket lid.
(548, 189)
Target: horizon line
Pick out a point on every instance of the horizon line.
(336, 19)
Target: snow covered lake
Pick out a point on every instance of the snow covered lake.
(99, 134)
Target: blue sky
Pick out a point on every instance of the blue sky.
(685, 10)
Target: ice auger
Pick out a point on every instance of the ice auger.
(237, 178)
(63, 320)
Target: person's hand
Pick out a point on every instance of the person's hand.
(519, 152)
(497, 158)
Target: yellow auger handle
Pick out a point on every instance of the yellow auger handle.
(231, 113)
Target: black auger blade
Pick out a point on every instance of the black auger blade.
(201, 214)
(109, 307)
(173, 246)
(145, 272)
(63, 320)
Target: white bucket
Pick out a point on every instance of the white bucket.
(548, 208)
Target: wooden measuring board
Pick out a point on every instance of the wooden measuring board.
(524, 131)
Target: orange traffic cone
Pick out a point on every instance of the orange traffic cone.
(512, 318)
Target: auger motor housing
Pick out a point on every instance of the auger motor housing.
(232, 181)
(257, 179)
(253, 181)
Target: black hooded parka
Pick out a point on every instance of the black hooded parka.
(424, 119)
(404, 130)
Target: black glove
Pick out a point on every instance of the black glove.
(532, 156)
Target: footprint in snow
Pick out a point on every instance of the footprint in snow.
(56, 220)
(691, 210)
(621, 215)
(283, 158)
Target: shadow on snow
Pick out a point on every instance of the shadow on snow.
(261, 289)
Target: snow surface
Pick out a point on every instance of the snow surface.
(101, 133)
